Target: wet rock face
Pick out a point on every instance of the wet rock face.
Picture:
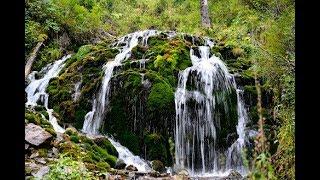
(36, 135)
(120, 164)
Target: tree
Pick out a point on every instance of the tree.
(33, 55)
(205, 20)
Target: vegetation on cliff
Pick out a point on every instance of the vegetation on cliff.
(255, 38)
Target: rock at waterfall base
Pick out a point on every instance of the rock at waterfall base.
(131, 168)
(120, 164)
(36, 135)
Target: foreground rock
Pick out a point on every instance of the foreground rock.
(158, 166)
(35, 134)
(234, 175)
(131, 168)
(120, 164)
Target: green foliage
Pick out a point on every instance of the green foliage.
(251, 36)
(263, 168)
(68, 168)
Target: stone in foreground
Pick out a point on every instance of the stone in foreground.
(36, 135)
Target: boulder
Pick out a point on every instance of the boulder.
(183, 173)
(120, 164)
(42, 171)
(35, 134)
(158, 166)
(234, 175)
(131, 168)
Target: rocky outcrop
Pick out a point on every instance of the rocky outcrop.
(36, 135)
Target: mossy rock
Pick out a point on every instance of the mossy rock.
(51, 131)
(158, 166)
(106, 144)
(156, 147)
(43, 152)
(103, 166)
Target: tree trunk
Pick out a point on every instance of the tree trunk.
(205, 20)
(261, 145)
(31, 58)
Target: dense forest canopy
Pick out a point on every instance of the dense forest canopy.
(261, 32)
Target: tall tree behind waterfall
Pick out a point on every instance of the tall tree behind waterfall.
(205, 20)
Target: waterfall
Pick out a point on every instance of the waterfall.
(36, 90)
(196, 126)
(93, 119)
(129, 158)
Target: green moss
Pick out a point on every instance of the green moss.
(103, 155)
(51, 131)
(130, 140)
(32, 118)
(74, 138)
(83, 50)
(45, 113)
(39, 108)
(155, 147)
(84, 139)
(43, 152)
(103, 165)
(156, 41)
(138, 52)
(158, 166)
(67, 111)
(161, 96)
(106, 144)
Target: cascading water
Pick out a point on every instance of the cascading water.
(234, 155)
(93, 119)
(77, 92)
(36, 90)
(129, 158)
(196, 126)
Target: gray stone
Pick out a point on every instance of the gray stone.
(35, 134)
(40, 160)
(26, 146)
(42, 171)
(33, 155)
(234, 175)
(55, 151)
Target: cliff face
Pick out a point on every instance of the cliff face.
(141, 110)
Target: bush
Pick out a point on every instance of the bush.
(67, 168)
